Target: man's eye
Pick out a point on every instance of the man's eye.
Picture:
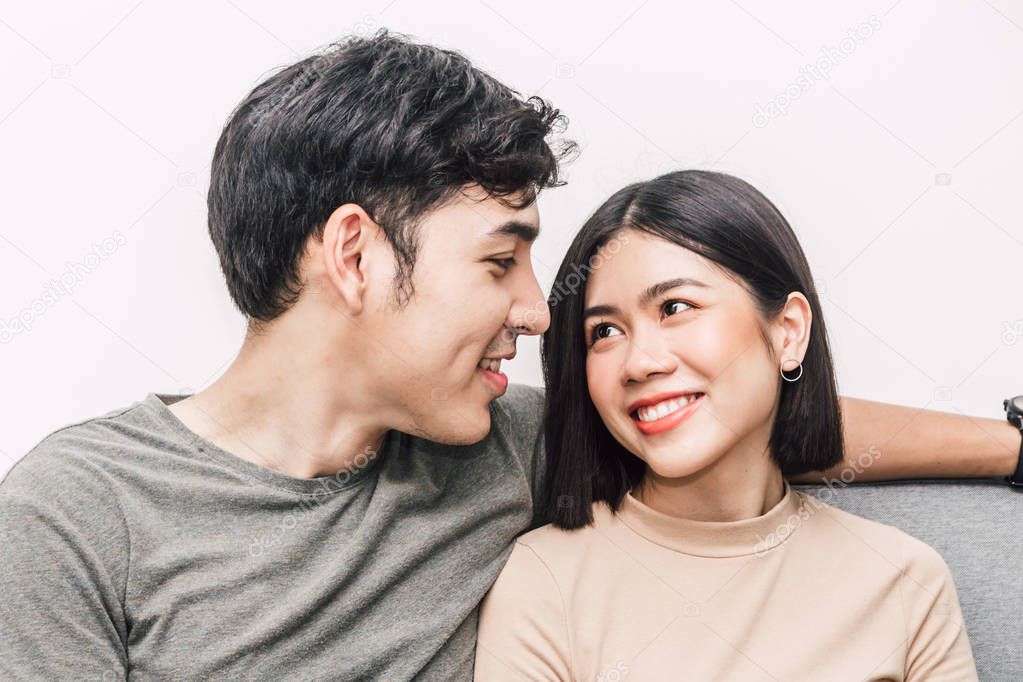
(505, 263)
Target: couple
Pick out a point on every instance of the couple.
(339, 502)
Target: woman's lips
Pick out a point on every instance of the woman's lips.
(668, 421)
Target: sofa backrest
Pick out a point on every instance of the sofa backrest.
(977, 526)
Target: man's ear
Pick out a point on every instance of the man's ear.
(346, 237)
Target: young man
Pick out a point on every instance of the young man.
(338, 503)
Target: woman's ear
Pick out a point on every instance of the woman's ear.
(346, 237)
(794, 322)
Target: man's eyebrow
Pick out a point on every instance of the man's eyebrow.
(648, 295)
(514, 228)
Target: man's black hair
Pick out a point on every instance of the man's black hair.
(394, 126)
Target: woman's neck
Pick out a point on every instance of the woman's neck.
(742, 484)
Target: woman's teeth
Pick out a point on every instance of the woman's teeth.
(492, 365)
(665, 407)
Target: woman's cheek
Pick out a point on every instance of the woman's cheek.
(712, 350)
(600, 380)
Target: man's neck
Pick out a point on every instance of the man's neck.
(282, 410)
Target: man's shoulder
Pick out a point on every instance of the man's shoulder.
(517, 423)
(76, 455)
(522, 404)
(517, 416)
(68, 490)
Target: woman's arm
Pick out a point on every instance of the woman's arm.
(884, 442)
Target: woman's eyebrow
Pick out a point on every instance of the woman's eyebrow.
(648, 295)
(656, 290)
(599, 310)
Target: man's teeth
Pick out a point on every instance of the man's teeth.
(492, 365)
(665, 407)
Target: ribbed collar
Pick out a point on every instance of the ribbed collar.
(716, 538)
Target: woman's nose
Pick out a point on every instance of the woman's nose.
(646, 358)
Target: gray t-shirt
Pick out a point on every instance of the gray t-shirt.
(130, 547)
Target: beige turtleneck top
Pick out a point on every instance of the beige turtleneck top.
(803, 592)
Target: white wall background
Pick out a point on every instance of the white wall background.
(900, 170)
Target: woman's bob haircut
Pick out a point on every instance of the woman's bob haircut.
(727, 221)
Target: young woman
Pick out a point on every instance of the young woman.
(688, 371)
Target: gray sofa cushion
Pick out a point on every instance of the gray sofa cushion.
(977, 526)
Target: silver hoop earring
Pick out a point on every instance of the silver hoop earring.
(794, 379)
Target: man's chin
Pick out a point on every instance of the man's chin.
(474, 429)
(468, 424)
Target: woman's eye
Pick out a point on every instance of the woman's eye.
(670, 304)
(596, 335)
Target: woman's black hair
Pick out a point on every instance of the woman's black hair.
(729, 222)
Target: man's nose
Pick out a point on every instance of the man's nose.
(532, 320)
(531, 314)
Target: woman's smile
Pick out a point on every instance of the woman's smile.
(657, 417)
